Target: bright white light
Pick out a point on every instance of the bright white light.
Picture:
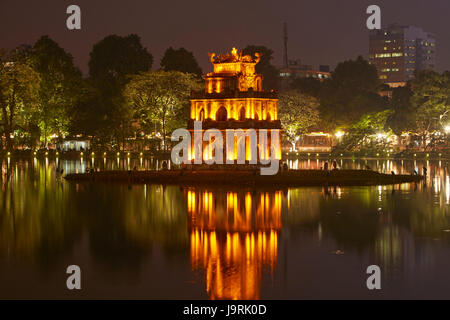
(447, 129)
(339, 134)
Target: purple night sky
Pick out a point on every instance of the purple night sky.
(320, 31)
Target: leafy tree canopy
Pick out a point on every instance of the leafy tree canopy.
(162, 97)
(298, 113)
(431, 99)
(112, 61)
(351, 92)
(180, 60)
(115, 57)
(59, 86)
(363, 133)
(19, 87)
(403, 117)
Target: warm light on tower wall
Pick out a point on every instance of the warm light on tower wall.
(233, 92)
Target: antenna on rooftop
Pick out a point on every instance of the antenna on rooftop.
(285, 38)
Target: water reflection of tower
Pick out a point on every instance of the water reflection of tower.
(233, 238)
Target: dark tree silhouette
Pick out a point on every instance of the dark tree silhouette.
(180, 60)
(112, 61)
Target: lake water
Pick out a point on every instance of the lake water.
(170, 242)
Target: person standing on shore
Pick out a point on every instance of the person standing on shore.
(334, 165)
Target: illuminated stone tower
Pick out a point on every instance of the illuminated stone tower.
(233, 98)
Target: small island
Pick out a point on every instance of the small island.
(289, 178)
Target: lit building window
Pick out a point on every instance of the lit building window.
(382, 55)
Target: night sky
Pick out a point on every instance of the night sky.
(320, 31)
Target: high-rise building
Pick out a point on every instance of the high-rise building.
(398, 51)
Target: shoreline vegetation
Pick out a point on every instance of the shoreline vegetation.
(288, 178)
(126, 103)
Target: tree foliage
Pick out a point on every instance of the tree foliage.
(403, 116)
(431, 103)
(59, 86)
(180, 60)
(370, 132)
(19, 87)
(114, 58)
(351, 92)
(112, 61)
(160, 97)
(298, 113)
(309, 86)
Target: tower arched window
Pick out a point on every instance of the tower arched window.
(258, 85)
(221, 114)
(242, 114)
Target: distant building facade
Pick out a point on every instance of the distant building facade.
(398, 51)
(295, 69)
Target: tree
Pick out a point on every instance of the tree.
(357, 74)
(264, 67)
(114, 58)
(431, 102)
(112, 61)
(370, 132)
(180, 60)
(351, 92)
(82, 118)
(403, 117)
(59, 85)
(160, 97)
(19, 85)
(298, 112)
(309, 86)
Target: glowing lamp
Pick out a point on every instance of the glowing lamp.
(339, 134)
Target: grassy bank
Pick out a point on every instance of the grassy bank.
(248, 178)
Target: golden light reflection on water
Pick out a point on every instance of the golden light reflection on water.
(233, 239)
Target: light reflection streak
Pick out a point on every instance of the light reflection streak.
(233, 238)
